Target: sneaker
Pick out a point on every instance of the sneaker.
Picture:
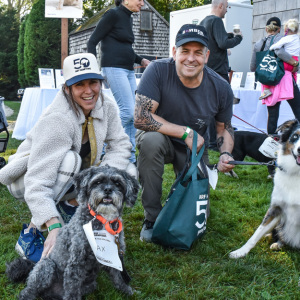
(147, 231)
(66, 211)
(265, 94)
(30, 245)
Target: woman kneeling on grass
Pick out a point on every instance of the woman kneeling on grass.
(69, 136)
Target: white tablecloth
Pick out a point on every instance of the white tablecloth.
(251, 110)
(34, 101)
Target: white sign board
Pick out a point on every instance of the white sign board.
(59, 78)
(236, 80)
(250, 79)
(46, 77)
(71, 9)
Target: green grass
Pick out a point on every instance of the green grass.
(204, 272)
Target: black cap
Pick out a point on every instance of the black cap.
(191, 33)
(275, 21)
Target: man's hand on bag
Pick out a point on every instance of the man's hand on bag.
(189, 141)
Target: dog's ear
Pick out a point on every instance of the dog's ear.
(132, 189)
(286, 129)
(81, 181)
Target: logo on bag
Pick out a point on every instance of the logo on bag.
(268, 63)
(81, 64)
(201, 207)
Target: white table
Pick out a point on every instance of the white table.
(251, 110)
(34, 101)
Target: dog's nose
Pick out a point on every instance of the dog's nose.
(107, 190)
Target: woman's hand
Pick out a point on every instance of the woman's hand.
(51, 238)
(145, 62)
(50, 242)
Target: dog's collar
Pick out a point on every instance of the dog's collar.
(107, 224)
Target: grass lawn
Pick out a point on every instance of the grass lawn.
(205, 272)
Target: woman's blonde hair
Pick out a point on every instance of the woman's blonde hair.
(272, 27)
(291, 25)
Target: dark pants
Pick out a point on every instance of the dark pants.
(273, 111)
(156, 150)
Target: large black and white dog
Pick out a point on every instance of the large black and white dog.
(247, 143)
(71, 269)
(283, 215)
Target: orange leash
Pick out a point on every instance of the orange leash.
(107, 224)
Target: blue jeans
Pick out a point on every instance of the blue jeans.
(123, 86)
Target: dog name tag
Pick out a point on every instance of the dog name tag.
(104, 246)
(212, 176)
(269, 147)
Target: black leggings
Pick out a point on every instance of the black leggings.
(273, 111)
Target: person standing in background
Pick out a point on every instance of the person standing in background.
(273, 27)
(218, 43)
(114, 31)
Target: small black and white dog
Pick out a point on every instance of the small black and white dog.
(71, 269)
(283, 216)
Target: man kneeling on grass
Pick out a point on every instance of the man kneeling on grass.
(176, 96)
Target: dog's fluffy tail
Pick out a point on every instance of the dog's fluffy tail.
(19, 269)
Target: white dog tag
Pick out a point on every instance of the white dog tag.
(269, 147)
(104, 246)
(212, 176)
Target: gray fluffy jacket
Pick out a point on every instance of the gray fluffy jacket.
(57, 131)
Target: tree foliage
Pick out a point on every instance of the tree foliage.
(21, 69)
(42, 44)
(164, 7)
(9, 32)
(20, 6)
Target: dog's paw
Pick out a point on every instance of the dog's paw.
(238, 253)
(276, 246)
(231, 174)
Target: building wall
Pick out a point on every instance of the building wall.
(265, 9)
(155, 42)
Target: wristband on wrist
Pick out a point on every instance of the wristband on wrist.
(53, 226)
(296, 64)
(229, 154)
(186, 133)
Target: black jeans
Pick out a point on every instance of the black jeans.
(273, 111)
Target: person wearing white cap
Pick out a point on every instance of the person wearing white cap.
(69, 136)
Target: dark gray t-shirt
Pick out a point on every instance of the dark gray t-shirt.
(193, 107)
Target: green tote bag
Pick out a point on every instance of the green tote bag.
(183, 218)
(270, 69)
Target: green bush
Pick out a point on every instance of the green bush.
(41, 43)
(21, 46)
(9, 32)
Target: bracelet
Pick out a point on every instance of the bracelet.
(187, 131)
(53, 226)
(297, 64)
(229, 154)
